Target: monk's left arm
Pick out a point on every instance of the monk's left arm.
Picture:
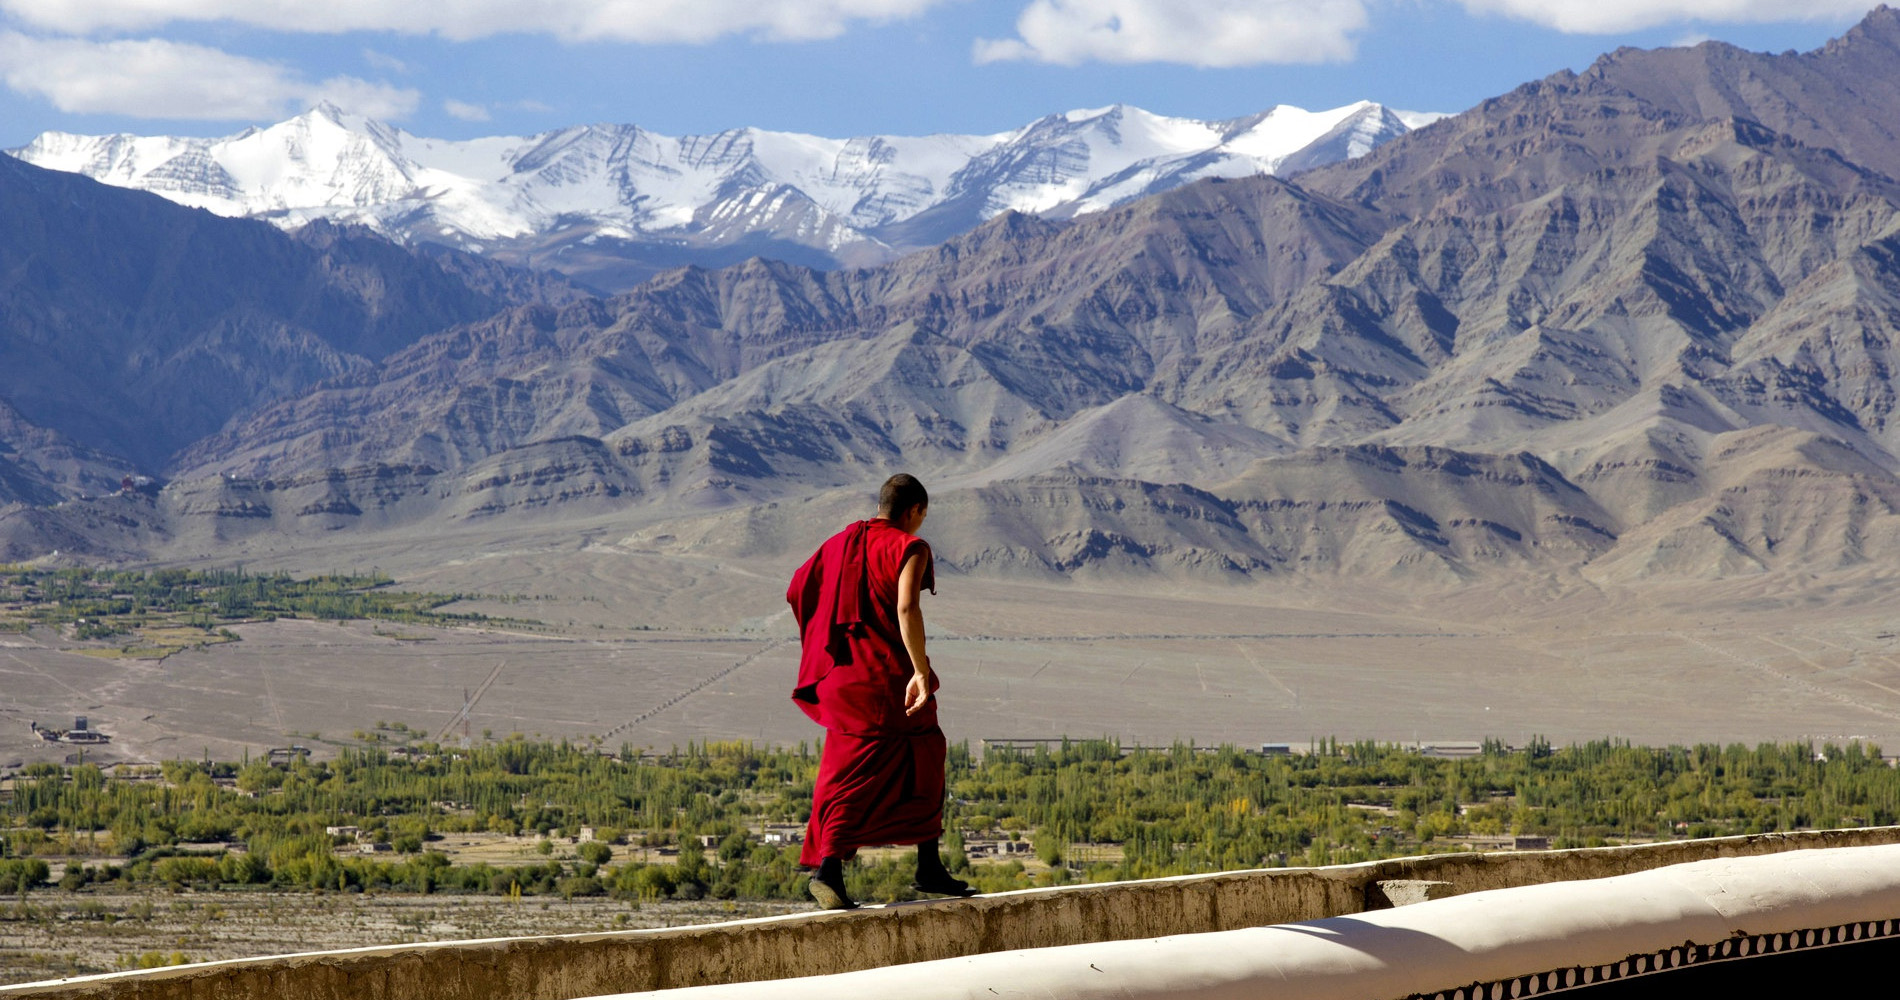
(910, 624)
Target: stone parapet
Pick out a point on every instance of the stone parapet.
(1726, 927)
(806, 944)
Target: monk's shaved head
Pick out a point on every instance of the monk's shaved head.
(901, 494)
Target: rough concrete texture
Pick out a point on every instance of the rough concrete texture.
(1406, 891)
(806, 944)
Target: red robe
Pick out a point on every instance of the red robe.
(880, 778)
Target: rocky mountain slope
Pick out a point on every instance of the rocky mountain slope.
(614, 204)
(131, 327)
(1625, 323)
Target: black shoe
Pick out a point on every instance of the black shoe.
(829, 897)
(942, 884)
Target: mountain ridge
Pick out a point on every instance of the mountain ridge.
(133, 326)
(1588, 328)
(615, 203)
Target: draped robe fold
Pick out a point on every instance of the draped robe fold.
(880, 776)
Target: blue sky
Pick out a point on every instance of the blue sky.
(460, 68)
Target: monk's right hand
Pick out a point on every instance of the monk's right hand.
(916, 693)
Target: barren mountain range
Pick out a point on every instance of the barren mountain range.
(1631, 322)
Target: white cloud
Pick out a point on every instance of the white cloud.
(1200, 33)
(364, 97)
(590, 20)
(465, 111)
(1607, 16)
(384, 61)
(155, 78)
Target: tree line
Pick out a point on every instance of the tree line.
(1088, 809)
(100, 603)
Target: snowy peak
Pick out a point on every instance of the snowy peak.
(320, 160)
(611, 203)
(1086, 161)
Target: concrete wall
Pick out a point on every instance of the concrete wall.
(1631, 937)
(560, 968)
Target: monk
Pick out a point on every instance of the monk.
(864, 676)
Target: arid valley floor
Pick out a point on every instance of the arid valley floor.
(654, 650)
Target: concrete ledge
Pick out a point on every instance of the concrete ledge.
(1604, 936)
(807, 944)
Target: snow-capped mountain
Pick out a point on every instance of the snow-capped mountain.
(612, 203)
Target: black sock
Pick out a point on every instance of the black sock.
(831, 871)
(929, 862)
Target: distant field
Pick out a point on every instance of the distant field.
(315, 684)
(657, 651)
